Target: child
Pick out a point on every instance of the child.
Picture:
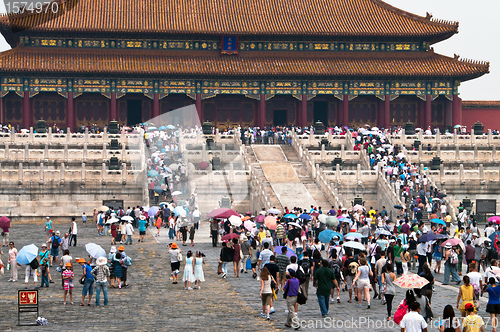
(188, 276)
(84, 219)
(67, 276)
(473, 322)
(198, 269)
(44, 268)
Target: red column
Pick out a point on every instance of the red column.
(1, 111)
(387, 111)
(421, 114)
(456, 110)
(70, 117)
(113, 106)
(303, 111)
(428, 110)
(345, 110)
(198, 107)
(339, 113)
(261, 117)
(27, 121)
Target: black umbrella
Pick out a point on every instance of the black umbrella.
(398, 207)
(428, 237)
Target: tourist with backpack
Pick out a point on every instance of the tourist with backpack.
(305, 266)
(350, 270)
(450, 265)
(323, 281)
(55, 242)
(335, 265)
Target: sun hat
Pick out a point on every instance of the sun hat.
(112, 250)
(448, 246)
(47, 217)
(174, 245)
(142, 218)
(268, 233)
(101, 261)
(58, 233)
(68, 265)
(121, 248)
(474, 234)
(44, 245)
(80, 260)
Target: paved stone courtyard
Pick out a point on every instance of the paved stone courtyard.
(153, 303)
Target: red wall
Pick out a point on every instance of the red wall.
(489, 117)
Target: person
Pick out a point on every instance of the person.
(12, 262)
(291, 288)
(323, 279)
(101, 274)
(158, 221)
(379, 270)
(123, 230)
(74, 232)
(245, 250)
(363, 278)
(198, 269)
(5, 237)
(476, 280)
(473, 322)
(350, 269)
(448, 322)
(305, 265)
(44, 253)
(192, 231)
(424, 301)
(214, 232)
(493, 306)
(44, 272)
(31, 269)
(188, 276)
(117, 269)
(283, 261)
(55, 241)
(196, 217)
(450, 265)
(48, 228)
(266, 292)
(413, 321)
(84, 219)
(265, 256)
(175, 264)
(398, 251)
(65, 242)
(388, 278)
(226, 256)
(67, 276)
(466, 294)
(427, 274)
(89, 281)
(279, 234)
(142, 228)
(114, 233)
(254, 253)
(236, 257)
(273, 269)
(437, 257)
(129, 229)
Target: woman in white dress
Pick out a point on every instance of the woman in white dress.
(188, 276)
(198, 269)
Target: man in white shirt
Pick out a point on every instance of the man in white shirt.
(413, 321)
(491, 271)
(74, 232)
(422, 249)
(129, 230)
(489, 230)
(196, 217)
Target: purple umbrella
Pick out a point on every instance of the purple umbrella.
(290, 253)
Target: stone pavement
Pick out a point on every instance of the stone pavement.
(153, 303)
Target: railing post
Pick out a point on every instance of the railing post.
(204, 152)
(438, 137)
(323, 154)
(7, 151)
(457, 152)
(490, 137)
(20, 173)
(493, 152)
(103, 172)
(342, 152)
(481, 173)
(441, 173)
(62, 172)
(475, 151)
(461, 173)
(41, 172)
(83, 172)
(124, 172)
(358, 172)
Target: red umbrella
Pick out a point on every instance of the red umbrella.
(314, 214)
(270, 222)
(4, 223)
(222, 213)
(230, 236)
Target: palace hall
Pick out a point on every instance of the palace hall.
(241, 62)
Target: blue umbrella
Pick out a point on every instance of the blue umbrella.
(428, 237)
(152, 172)
(153, 210)
(290, 253)
(290, 216)
(398, 207)
(158, 189)
(438, 221)
(326, 236)
(170, 127)
(27, 254)
(178, 210)
(162, 128)
(305, 216)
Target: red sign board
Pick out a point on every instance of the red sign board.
(28, 298)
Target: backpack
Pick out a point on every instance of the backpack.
(337, 272)
(400, 312)
(453, 257)
(55, 242)
(34, 264)
(129, 261)
(352, 269)
(300, 275)
(306, 267)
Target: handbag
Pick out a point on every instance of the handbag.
(82, 280)
(285, 293)
(301, 298)
(179, 257)
(219, 268)
(428, 310)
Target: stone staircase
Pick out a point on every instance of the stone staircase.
(256, 167)
(305, 178)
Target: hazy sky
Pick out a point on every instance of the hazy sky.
(477, 38)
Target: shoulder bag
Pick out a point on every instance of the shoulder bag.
(179, 257)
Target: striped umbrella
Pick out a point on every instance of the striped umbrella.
(411, 281)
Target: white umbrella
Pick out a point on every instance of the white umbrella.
(235, 221)
(358, 207)
(127, 218)
(294, 224)
(381, 231)
(354, 245)
(104, 208)
(95, 250)
(174, 167)
(112, 221)
(176, 193)
(322, 218)
(274, 211)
